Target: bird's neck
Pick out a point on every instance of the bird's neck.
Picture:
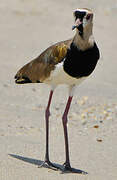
(85, 41)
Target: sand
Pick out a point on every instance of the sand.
(27, 28)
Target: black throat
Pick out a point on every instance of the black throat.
(80, 29)
(80, 63)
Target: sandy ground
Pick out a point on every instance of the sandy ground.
(27, 27)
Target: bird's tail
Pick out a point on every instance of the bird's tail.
(26, 75)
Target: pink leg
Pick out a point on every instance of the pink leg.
(64, 120)
(47, 114)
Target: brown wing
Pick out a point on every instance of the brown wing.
(40, 68)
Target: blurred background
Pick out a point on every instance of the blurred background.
(27, 27)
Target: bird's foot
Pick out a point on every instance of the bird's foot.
(69, 169)
(67, 166)
(49, 165)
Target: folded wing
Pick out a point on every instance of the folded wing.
(40, 68)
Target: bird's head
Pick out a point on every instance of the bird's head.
(83, 20)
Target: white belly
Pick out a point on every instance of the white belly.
(59, 76)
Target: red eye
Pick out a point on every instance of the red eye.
(88, 16)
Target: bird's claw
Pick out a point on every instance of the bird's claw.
(49, 165)
(67, 167)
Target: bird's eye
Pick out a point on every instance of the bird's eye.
(88, 17)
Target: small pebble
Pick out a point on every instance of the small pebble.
(83, 100)
(101, 121)
(96, 126)
(57, 108)
(33, 89)
(83, 115)
(99, 140)
(5, 85)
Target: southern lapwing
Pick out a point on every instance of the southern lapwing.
(67, 62)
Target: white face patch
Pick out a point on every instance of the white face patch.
(86, 18)
(82, 10)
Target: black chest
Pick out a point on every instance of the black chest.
(81, 63)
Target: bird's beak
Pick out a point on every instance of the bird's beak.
(78, 23)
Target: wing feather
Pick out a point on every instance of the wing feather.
(40, 68)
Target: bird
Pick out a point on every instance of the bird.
(67, 62)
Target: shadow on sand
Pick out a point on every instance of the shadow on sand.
(39, 162)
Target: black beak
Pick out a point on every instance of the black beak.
(78, 25)
(80, 28)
